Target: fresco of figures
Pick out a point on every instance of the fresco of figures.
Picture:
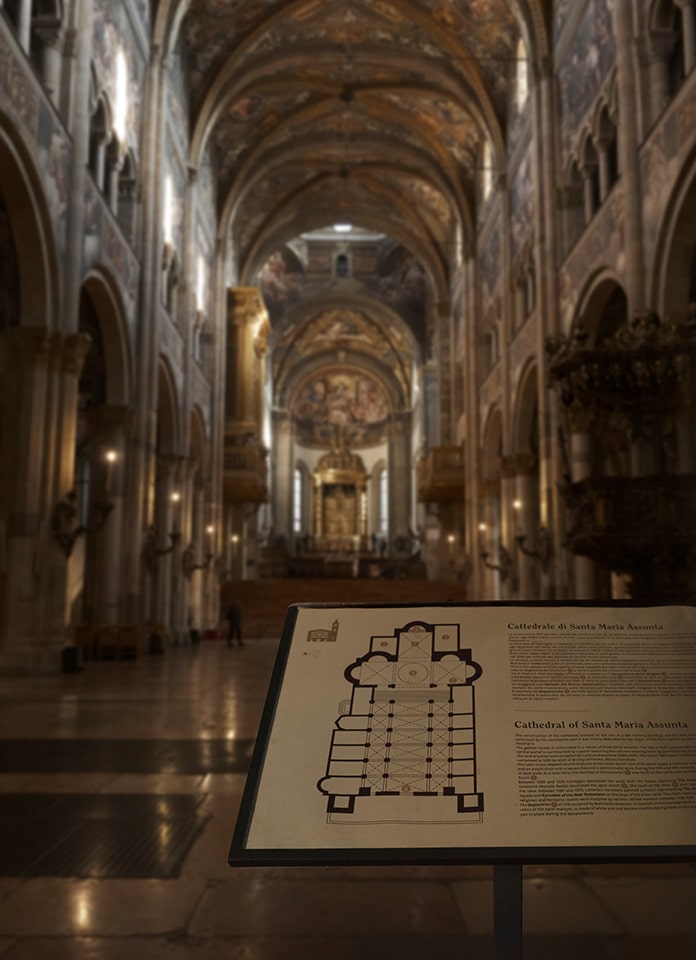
(344, 403)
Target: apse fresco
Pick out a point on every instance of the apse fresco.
(341, 403)
(591, 56)
(347, 330)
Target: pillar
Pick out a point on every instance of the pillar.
(688, 9)
(50, 35)
(40, 382)
(628, 157)
(24, 25)
(399, 480)
(282, 474)
(581, 468)
(110, 424)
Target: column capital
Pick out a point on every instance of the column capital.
(75, 347)
(518, 464)
(245, 305)
(111, 420)
(489, 489)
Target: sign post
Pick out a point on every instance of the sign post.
(499, 734)
(507, 911)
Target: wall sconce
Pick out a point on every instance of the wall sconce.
(64, 514)
(63, 527)
(543, 551)
(188, 564)
(504, 564)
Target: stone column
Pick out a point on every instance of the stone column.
(282, 474)
(140, 482)
(588, 171)
(523, 467)
(628, 157)
(246, 320)
(40, 375)
(604, 173)
(489, 539)
(168, 507)
(688, 8)
(110, 425)
(399, 481)
(24, 25)
(49, 32)
(581, 468)
(551, 509)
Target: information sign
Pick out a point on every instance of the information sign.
(476, 733)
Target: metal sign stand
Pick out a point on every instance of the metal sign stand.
(507, 911)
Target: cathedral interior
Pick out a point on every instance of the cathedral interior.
(368, 301)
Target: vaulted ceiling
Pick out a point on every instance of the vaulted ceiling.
(377, 109)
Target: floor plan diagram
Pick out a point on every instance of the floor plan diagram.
(403, 748)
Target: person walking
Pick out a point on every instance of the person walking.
(234, 623)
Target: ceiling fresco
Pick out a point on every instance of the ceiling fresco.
(371, 112)
(340, 331)
(413, 85)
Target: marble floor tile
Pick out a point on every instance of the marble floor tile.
(645, 906)
(257, 907)
(52, 907)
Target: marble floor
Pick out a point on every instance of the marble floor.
(119, 790)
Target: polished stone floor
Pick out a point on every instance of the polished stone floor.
(119, 789)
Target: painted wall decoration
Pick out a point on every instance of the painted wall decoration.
(177, 97)
(405, 288)
(341, 402)
(602, 245)
(104, 245)
(281, 279)
(55, 158)
(113, 32)
(207, 192)
(561, 9)
(19, 95)
(662, 158)
(490, 261)
(522, 203)
(347, 330)
(143, 10)
(591, 56)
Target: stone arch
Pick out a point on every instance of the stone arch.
(101, 289)
(601, 309)
(674, 279)
(168, 418)
(199, 445)
(525, 425)
(28, 223)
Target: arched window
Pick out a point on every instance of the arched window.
(98, 139)
(487, 172)
(383, 503)
(297, 502)
(521, 76)
(342, 265)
